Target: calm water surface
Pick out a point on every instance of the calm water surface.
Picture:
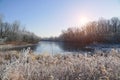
(58, 47)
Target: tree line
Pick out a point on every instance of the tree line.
(14, 32)
(101, 31)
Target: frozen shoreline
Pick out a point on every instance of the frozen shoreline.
(10, 46)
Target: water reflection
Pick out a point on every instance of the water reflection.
(73, 47)
(59, 47)
(49, 47)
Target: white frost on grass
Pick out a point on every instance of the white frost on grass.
(28, 66)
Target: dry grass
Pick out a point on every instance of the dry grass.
(28, 66)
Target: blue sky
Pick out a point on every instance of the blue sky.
(49, 17)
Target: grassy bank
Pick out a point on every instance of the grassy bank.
(26, 65)
(14, 46)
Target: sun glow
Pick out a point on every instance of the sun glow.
(84, 20)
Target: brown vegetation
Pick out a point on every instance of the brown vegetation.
(101, 31)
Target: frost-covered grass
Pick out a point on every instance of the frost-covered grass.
(26, 65)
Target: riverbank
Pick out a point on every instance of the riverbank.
(16, 65)
(14, 46)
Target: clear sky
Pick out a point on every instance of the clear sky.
(49, 17)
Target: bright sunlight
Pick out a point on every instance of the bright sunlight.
(84, 20)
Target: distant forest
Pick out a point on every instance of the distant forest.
(101, 31)
(14, 33)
